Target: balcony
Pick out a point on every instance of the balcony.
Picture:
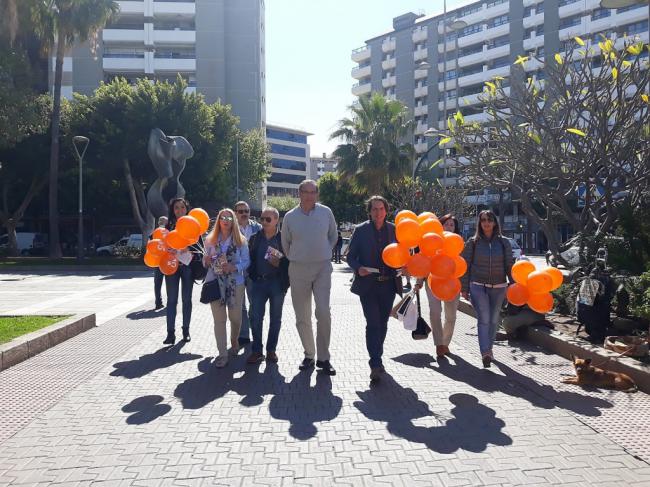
(497, 10)
(176, 9)
(574, 30)
(388, 64)
(360, 89)
(166, 64)
(175, 37)
(420, 73)
(388, 45)
(472, 58)
(360, 72)
(420, 110)
(420, 55)
(421, 91)
(477, 117)
(123, 35)
(388, 81)
(572, 9)
(421, 128)
(128, 64)
(360, 54)
(536, 19)
(419, 34)
(131, 8)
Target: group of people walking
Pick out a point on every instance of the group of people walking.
(261, 262)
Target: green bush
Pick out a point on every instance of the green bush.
(639, 289)
(565, 299)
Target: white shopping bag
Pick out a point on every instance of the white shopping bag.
(408, 312)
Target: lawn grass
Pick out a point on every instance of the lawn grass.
(15, 326)
(9, 262)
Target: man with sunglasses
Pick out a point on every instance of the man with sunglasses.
(248, 228)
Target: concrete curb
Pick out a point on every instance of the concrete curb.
(566, 346)
(27, 346)
(72, 268)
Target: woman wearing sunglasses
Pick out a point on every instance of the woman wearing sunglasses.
(489, 264)
(227, 259)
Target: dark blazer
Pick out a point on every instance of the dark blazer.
(361, 253)
(253, 244)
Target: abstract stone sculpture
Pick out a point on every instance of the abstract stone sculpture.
(168, 155)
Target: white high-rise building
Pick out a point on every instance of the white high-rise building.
(289, 159)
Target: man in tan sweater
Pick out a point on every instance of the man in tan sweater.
(309, 234)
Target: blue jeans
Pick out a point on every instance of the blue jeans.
(262, 291)
(487, 303)
(182, 277)
(245, 321)
(376, 309)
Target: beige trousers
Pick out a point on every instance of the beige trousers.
(307, 279)
(442, 334)
(220, 318)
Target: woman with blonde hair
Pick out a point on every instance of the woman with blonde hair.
(227, 259)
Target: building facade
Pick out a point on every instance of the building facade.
(320, 166)
(217, 46)
(466, 46)
(289, 160)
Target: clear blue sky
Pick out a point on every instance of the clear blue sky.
(308, 45)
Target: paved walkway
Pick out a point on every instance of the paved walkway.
(110, 407)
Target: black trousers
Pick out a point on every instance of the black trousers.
(376, 309)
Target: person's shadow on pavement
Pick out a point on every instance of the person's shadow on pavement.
(145, 409)
(511, 383)
(201, 390)
(160, 359)
(303, 405)
(253, 385)
(472, 426)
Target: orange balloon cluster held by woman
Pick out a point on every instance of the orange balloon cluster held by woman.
(533, 287)
(426, 251)
(160, 249)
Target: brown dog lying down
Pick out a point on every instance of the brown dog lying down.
(588, 375)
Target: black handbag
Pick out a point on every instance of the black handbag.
(198, 271)
(210, 292)
(422, 328)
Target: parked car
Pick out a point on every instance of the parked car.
(516, 249)
(28, 242)
(134, 241)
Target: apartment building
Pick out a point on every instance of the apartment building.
(438, 64)
(319, 166)
(217, 46)
(289, 159)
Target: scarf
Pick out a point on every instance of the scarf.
(227, 284)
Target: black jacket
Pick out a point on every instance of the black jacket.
(254, 244)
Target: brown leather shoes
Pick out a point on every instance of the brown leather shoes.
(271, 357)
(255, 358)
(442, 350)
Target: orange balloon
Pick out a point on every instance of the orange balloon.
(408, 233)
(395, 255)
(405, 214)
(444, 289)
(160, 233)
(556, 277)
(430, 244)
(521, 269)
(151, 260)
(539, 282)
(156, 247)
(431, 225)
(442, 266)
(425, 215)
(188, 227)
(168, 264)
(461, 266)
(517, 294)
(542, 303)
(453, 244)
(202, 217)
(175, 241)
(419, 266)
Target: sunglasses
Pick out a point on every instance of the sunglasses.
(266, 219)
(225, 218)
(243, 212)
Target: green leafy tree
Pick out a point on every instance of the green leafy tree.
(373, 153)
(583, 129)
(61, 24)
(282, 203)
(346, 204)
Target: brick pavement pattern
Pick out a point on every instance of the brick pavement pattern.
(111, 407)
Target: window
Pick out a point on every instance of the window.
(600, 13)
(287, 150)
(493, 3)
(631, 7)
(539, 8)
(499, 62)
(451, 74)
(418, 46)
(498, 42)
(175, 53)
(472, 90)
(470, 29)
(451, 94)
(528, 11)
(286, 164)
(450, 36)
(529, 32)
(570, 21)
(497, 21)
(421, 101)
(475, 68)
(473, 49)
(470, 10)
(539, 29)
(113, 52)
(636, 27)
(562, 3)
(278, 177)
(281, 135)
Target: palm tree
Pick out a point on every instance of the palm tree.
(373, 153)
(62, 23)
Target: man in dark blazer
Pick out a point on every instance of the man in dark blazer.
(374, 282)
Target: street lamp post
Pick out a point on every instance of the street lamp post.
(77, 142)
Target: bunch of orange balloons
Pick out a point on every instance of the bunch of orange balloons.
(438, 258)
(533, 287)
(189, 229)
